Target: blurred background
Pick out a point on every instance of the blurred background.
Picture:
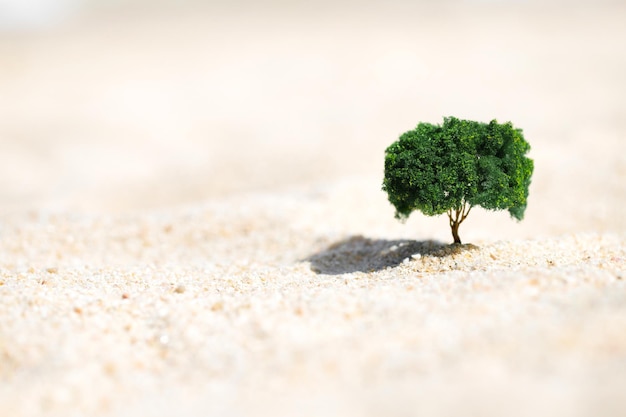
(125, 105)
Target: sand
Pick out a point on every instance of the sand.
(192, 222)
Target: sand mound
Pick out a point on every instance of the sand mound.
(232, 309)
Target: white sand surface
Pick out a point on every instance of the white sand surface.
(191, 220)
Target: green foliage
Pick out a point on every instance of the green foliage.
(445, 168)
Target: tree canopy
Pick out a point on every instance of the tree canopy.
(453, 167)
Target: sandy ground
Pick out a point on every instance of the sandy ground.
(191, 220)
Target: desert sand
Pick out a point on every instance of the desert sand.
(191, 219)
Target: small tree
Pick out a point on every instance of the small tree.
(453, 167)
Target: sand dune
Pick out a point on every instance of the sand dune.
(262, 305)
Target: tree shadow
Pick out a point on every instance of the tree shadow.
(360, 254)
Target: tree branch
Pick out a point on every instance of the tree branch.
(465, 212)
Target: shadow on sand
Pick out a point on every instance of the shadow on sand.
(360, 254)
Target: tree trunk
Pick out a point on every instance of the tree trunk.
(456, 217)
(455, 232)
